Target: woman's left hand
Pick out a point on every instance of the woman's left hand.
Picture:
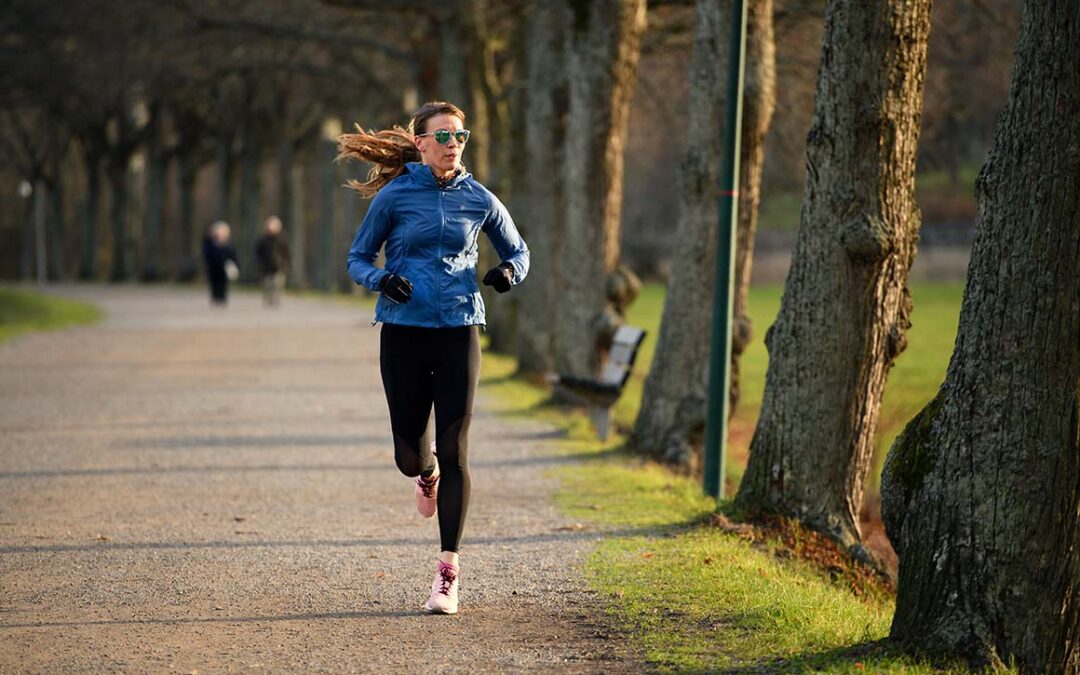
(500, 277)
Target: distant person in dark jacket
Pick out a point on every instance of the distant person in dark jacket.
(221, 264)
(272, 254)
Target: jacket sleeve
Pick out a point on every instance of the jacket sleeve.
(369, 239)
(503, 234)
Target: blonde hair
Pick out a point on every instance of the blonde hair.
(391, 149)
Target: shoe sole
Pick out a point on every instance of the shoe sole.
(436, 610)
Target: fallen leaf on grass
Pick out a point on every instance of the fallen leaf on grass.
(570, 528)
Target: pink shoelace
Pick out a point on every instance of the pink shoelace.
(447, 578)
(427, 486)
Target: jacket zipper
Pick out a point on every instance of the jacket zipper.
(438, 280)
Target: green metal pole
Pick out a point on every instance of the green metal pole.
(716, 429)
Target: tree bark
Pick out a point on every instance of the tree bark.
(116, 169)
(155, 196)
(248, 227)
(759, 100)
(186, 173)
(57, 247)
(603, 40)
(981, 492)
(91, 212)
(226, 178)
(298, 235)
(328, 185)
(503, 321)
(671, 422)
(26, 250)
(844, 313)
(541, 195)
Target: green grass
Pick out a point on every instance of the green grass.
(698, 599)
(936, 193)
(693, 597)
(913, 381)
(23, 311)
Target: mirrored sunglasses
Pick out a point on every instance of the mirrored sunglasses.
(442, 136)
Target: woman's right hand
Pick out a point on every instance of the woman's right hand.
(398, 289)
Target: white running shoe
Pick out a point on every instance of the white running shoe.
(444, 598)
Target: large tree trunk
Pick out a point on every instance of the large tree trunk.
(298, 234)
(155, 196)
(541, 195)
(328, 187)
(759, 100)
(844, 313)
(502, 322)
(57, 247)
(116, 168)
(285, 156)
(91, 212)
(981, 492)
(603, 40)
(671, 422)
(248, 228)
(226, 178)
(26, 251)
(186, 173)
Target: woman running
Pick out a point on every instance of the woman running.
(429, 212)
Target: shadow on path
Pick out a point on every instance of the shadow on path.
(569, 535)
(387, 614)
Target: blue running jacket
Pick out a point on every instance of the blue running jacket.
(431, 236)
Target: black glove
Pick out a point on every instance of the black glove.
(500, 277)
(397, 289)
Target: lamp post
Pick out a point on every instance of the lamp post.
(716, 428)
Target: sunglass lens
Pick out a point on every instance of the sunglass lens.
(462, 136)
(442, 136)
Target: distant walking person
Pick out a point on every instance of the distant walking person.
(272, 255)
(221, 264)
(429, 212)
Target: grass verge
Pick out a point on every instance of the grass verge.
(693, 596)
(24, 311)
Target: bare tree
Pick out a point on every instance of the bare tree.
(602, 42)
(671, 422)
(759, 100)
(981, 492)
(542, 192)
(844, 312)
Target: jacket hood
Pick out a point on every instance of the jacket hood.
(421, 173)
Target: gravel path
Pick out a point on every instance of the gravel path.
(183, 489)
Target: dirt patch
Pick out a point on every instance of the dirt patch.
(786, 538)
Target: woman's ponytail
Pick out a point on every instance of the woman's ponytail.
(390, 149)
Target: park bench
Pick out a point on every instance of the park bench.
(600, 394)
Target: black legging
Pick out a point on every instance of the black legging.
(421, 366)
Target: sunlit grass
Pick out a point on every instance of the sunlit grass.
(912, 382)
(696, 598)
(22, 311)
(781, 210)
(692, 597)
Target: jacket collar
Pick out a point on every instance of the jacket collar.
(423, 176)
